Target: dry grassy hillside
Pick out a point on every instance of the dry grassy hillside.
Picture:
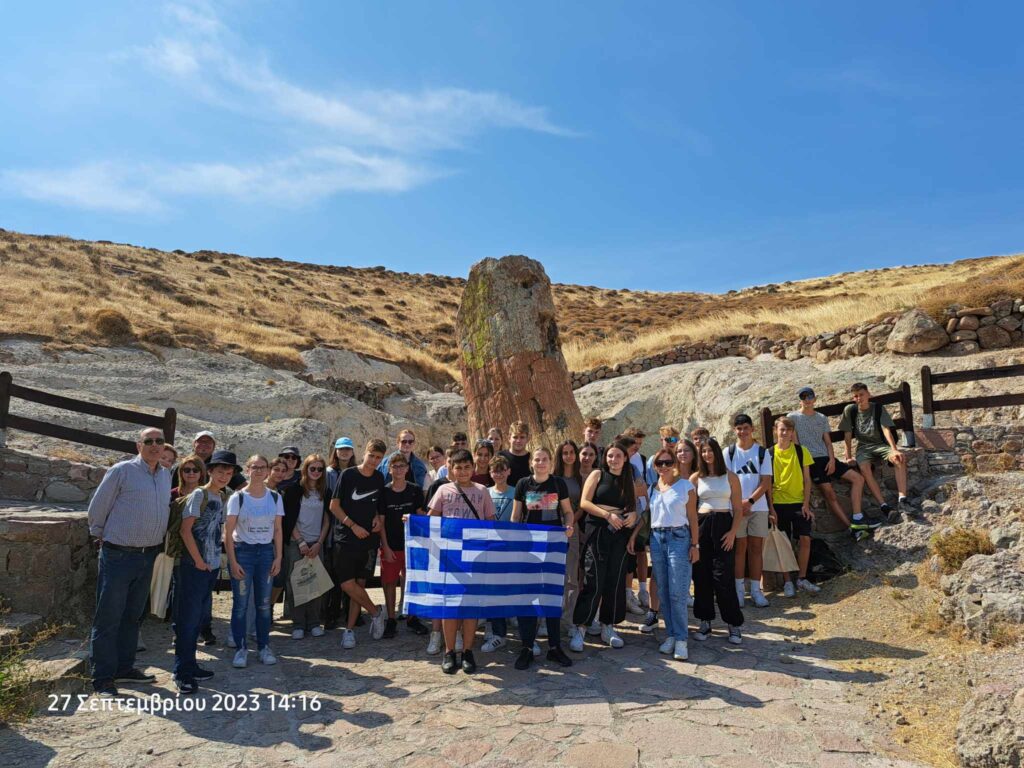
(76, 292)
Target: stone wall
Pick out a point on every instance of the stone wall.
(980, 448)
(31, 477)
(47, 563)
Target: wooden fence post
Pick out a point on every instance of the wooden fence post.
(927, 408)
(170, 425)
(766, 427)
(5, 405)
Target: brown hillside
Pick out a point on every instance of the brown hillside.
(77, 292)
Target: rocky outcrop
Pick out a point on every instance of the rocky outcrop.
(990, 733)
(988, 590)
(42, 478)
(510, 354)
(915, 332)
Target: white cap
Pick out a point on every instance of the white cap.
(204, 433)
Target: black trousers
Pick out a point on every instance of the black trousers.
(604, 577)
(335, 603)
(528, 631)
(713, 574)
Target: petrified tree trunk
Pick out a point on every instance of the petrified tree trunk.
(511, 357)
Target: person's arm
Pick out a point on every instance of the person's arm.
(190, 544)
(345, 520)
(806, 511)
(517, 511)
(237, 572)
(489, 512)
(325, 526)
(587, 504)
(567, 516)
(691, 518)
(103, 500)
(729, 539)
(275, 567)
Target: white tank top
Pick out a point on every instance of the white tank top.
(714, 493)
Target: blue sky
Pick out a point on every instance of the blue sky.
(663, 146)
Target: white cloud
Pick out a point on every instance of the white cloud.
(331, 142)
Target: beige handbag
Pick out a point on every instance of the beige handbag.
(160, 584)
(309, 579)
(778, 552)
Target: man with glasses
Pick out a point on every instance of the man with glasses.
(292, 456)
(128, 517)
(406, 444)
(812, 429)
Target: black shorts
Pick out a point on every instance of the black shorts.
(819, 476)
(791, 520)
(354, 563)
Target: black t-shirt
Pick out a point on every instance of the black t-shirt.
(395, 505)
(361, 499)
(542, 500)
(433, 489)
(519, 466)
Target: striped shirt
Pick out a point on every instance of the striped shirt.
(131, 505)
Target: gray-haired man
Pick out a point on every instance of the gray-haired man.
(128, 516)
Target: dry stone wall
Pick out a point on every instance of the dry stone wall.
(978, 448)
(31, 477)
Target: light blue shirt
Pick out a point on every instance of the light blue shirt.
(131, 505)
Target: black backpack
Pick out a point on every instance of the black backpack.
(760, 455)
(850, 415)
(799, 456)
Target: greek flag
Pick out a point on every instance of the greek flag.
(482, 569)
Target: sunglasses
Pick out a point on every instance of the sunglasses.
(190, 471)
(288, 457)
(153, 441)
(314, 470)
(664, 463)
(406, 442)
(671, 440)
(807, 397)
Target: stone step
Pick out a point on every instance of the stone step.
(16, 628)
(58, 666)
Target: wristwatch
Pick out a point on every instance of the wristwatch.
(750, 500)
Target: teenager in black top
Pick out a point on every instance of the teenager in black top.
(401, 499)
(610, 503)
(518, 457)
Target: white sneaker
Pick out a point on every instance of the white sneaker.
(317, 631)
(789, 590)
(758, 596)
(298, 634)
(667, 646)
(576, 640)
(681, 653)
(377, 623)
(735, 637)
(459, 645)
(493, 643)
(536, 649)
(703, 631)
(595, 628)
(267, 656)
(645, 599)
(231, 642)
(633, 605)
(542, 629)
(241, 659)
(806, 586)
(741, 593)
(611, 637)
(348, 639)
(434, 644)
(488, 632)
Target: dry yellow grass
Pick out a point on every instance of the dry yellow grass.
(270, 310)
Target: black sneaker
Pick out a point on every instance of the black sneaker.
(202, 674)
(558, 656)
(390, 627)
(468, 662)
(105, 688)
(860, 534)
(332, 624)
(524, 659)
(134, 675)
(416, 626)
(450, 665)
(908, 509)
(186, 685)
(865, 522)
(209, 638)
(650, 622)
(893, 516)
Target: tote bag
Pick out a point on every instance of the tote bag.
(778, 552)
(309, 579)
(160, 584)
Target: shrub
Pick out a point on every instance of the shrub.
(955, 546)
(112, 325)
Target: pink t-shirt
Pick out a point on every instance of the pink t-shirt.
(449, 502)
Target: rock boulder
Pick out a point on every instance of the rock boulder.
(916, 332)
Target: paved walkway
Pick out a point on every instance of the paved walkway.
(769, 702)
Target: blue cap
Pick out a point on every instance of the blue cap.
(805, 392)
(344, 442)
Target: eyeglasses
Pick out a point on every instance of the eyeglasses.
(314, 470)
(288, 456)
(190, 471)
(664, 463)
(396, 465)
(153, 441)
(671, 440)
(258, 468)
(407, 441)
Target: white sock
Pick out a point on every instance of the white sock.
(859, 516)
(643, 589)
(740, 584)
(903, 497)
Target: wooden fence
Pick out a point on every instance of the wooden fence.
(904, 422)
(930, 380)
(9, 390)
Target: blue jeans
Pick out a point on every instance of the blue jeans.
(195, 595)
(122, 588)
(255, 560)
(670, 556)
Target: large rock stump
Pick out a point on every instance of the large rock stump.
(511, 358)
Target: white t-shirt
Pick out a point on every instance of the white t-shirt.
(744, 464)
(668, 508)
(255, 523)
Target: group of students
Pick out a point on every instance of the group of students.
(701, 512)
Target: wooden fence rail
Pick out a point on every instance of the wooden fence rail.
(904, 422)
(929, 380)
(8, 390)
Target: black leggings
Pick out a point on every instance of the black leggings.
(713, 574)
(604, 577)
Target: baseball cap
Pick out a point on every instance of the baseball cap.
(204, 433)
(289, 450)
(742, 418)
(805, 392)
(344, 442)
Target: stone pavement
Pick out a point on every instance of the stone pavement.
(769, 702)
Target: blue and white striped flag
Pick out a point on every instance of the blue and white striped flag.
(482, 569)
